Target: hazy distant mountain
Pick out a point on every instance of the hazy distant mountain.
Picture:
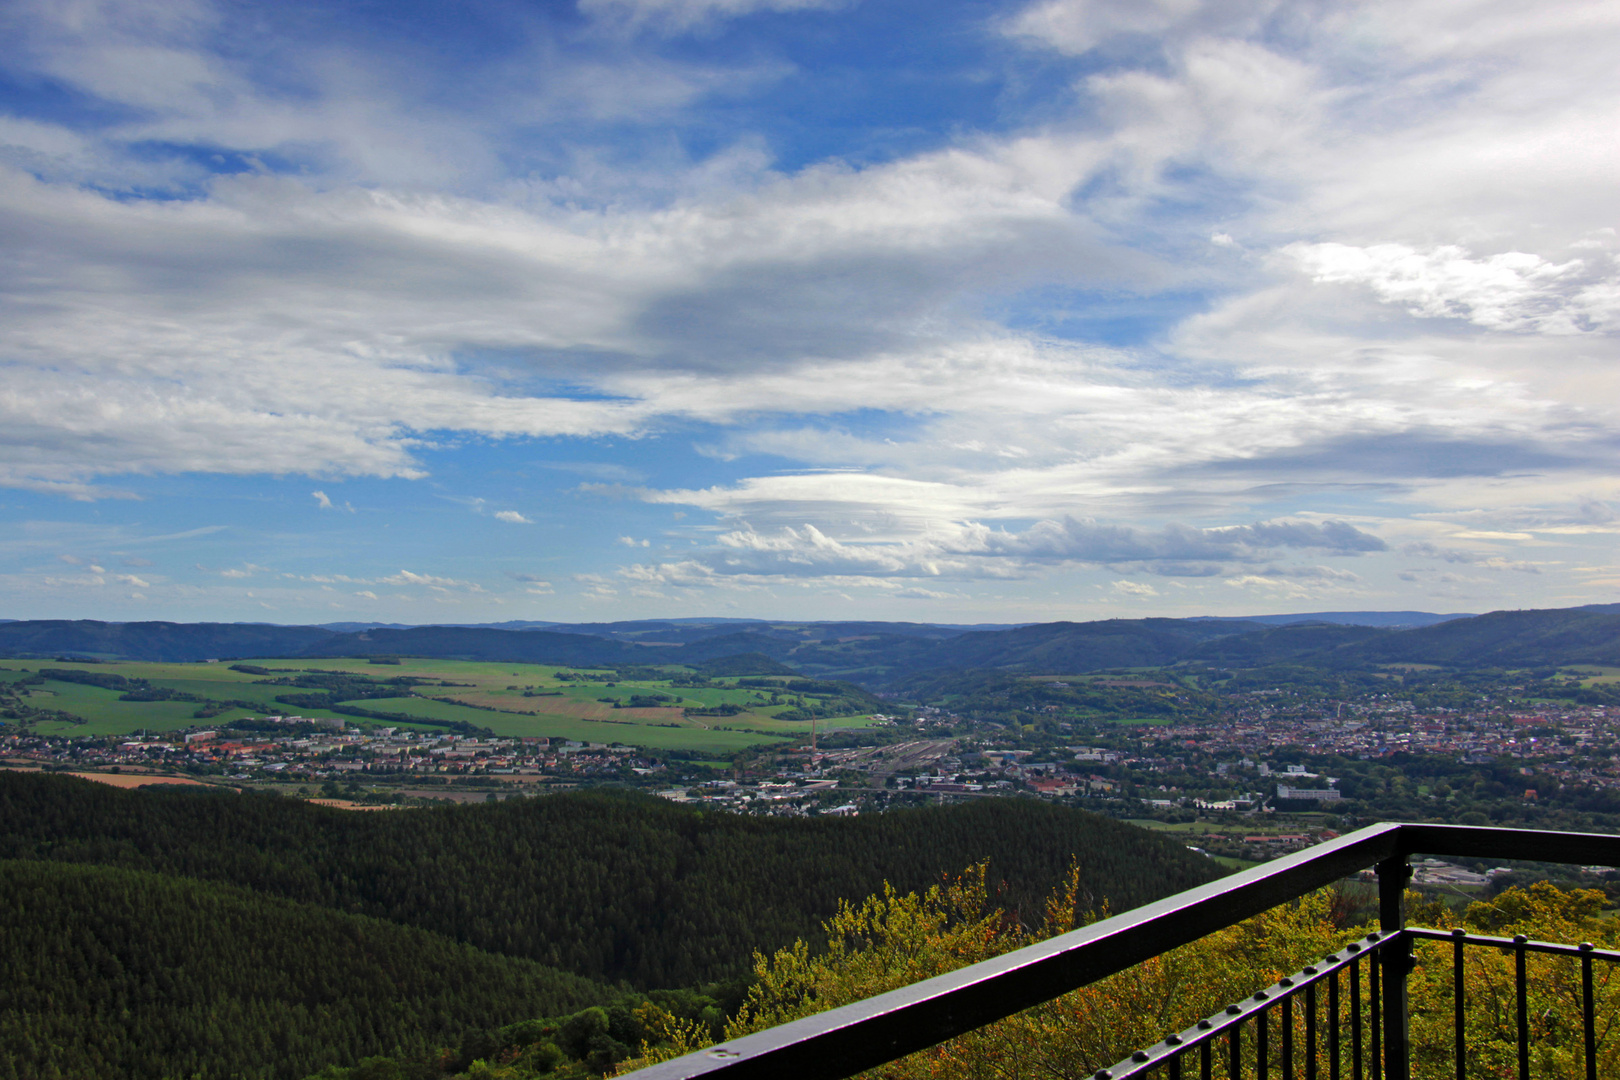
(875, 653)
(1350, 618)
(154, 640)
(473, 643)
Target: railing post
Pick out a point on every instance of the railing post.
(1393, 874)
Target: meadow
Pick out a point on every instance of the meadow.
(508, 699)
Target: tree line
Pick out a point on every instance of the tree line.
(609, 885)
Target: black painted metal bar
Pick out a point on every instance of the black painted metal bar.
(1554, 948)
(1206, 1053)
(1486, 842)
(1288, 1037)
(1234, 1056)
(1310, 1032)
(1588, 1011)
(1393, 874)
(1523, 1005)
(1459, 1042)
(1355, 1020)
(1333, 1027)
(1374, 969)
(1262, 1044)
(1206, 1031)
(864, 1034)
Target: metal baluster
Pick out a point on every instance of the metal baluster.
(1373, 981)
(1588, 1010)
(1175, 1068)
(1234, 1061)
(1459, 1052)
(1355, 1018)
(1333, 1026)
(1205, 1070)
(1288, 1037)
(1393, 874)
(1262, 1044)
(1524, 1005)
(1310, 1031)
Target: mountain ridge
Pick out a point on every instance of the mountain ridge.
(873, 652)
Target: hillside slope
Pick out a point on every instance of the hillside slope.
(876, 654)
(606, 885)
(116, 972)
(1507, 639)
(163, 641)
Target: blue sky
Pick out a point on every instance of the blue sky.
(818, 309)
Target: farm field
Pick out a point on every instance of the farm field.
(508, 699)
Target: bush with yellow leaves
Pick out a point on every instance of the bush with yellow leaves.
(891, 940)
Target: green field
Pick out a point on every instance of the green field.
(505, 698)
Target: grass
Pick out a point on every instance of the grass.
(104, 714)
(558, 709)
(1233, 863)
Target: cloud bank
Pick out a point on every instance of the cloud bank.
(1245, 280)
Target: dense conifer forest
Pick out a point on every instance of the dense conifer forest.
(182, 927)
(107, 972)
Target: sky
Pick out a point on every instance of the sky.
(946, 311)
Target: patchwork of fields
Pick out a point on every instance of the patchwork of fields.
(657, 710)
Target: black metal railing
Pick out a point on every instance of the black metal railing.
(1296, 1026)
(1310, 1010)
(1316, 1026)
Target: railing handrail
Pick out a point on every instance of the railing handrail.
(843, 1041)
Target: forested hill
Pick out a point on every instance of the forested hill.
(875, 656)
(161, 641)
(605, 885)
(106, 972)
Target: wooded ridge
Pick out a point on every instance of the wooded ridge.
(876, 656)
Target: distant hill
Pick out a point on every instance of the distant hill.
(880, 653)
(1499, 639)
(469, 643)
(1294, 643)
(682, 631)
(1350, 618)
(1081, 646)
(1507, 639)
(155, 640)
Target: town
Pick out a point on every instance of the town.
(1366, 757)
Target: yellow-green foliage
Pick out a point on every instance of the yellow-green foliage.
(891, 940)
(1540, 912)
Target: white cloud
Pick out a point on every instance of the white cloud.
(1483, 560)
(512, 516)
(1078, 26)
(675, 16)
(1397, 213)
(1512, 291)
(1134, 588)
(630, 541)
(406, 577)
(972, 551)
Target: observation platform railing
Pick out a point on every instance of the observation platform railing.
(1368, 976)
